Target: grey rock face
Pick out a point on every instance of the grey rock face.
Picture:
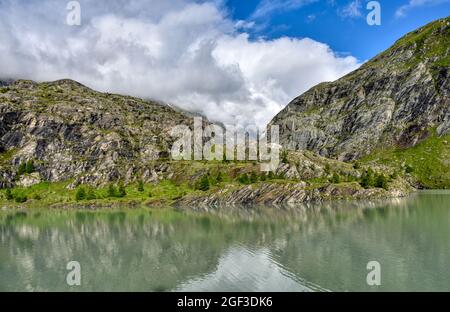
(73, 132)
(280, 195)
(395, 100)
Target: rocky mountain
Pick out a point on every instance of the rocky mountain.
(65, 133)
(396, 100)
(72, 132)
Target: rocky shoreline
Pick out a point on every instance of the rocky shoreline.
(289, 194)
(263, 194)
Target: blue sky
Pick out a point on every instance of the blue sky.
(328, 21)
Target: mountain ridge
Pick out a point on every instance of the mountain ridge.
(59, 136)
(397, 99)
(72, 131)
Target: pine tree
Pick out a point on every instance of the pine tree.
(122, 191)
(29, 167)
(80, 194)
(204, 183)
(284, 157)
(244, 179)
(140, 187)
(367, 179)
(91, 194)
(409, 169)
(112, 191)
(253, 177)
(20, 198)
(381, 181)
(9, 195)
(219, 178)
(22, 168)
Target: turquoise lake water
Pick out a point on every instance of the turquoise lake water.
(317, 247)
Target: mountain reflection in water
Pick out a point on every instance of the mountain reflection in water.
(314, 247)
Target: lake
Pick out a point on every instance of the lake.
(316, 247)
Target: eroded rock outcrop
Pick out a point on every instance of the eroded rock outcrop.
(286, 194)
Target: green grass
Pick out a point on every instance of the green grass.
(186, 175)
(429, 161)
(430, 42)
(48, 194)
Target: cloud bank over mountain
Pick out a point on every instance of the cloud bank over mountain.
(187, 53)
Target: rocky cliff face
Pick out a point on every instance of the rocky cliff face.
(398, 99)
(73, 132)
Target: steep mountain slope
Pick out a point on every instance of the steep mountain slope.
(396, 100)
(68, 134)
(71, 131)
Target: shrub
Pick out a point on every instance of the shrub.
(244, 179)
(26, 167)
(90, 195)
(20, 198)
(36, 196)
(327, 169)
(219, 178)
(112, 191)
(394, 175)
(356, 165)
(9, 194)
(150, 194)
(253, 177)
(367, 179)
(29, 167)
(284, 157)
(335, 179)
(263, 177)
(140, 187)
(22, 168)
(409, 169)
(80, 194)
(381, 181)
(122, 192)
(204, 183)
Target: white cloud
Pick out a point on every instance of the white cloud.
(352, 9)
(401, 11)
(187, 53)
(267, 7)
